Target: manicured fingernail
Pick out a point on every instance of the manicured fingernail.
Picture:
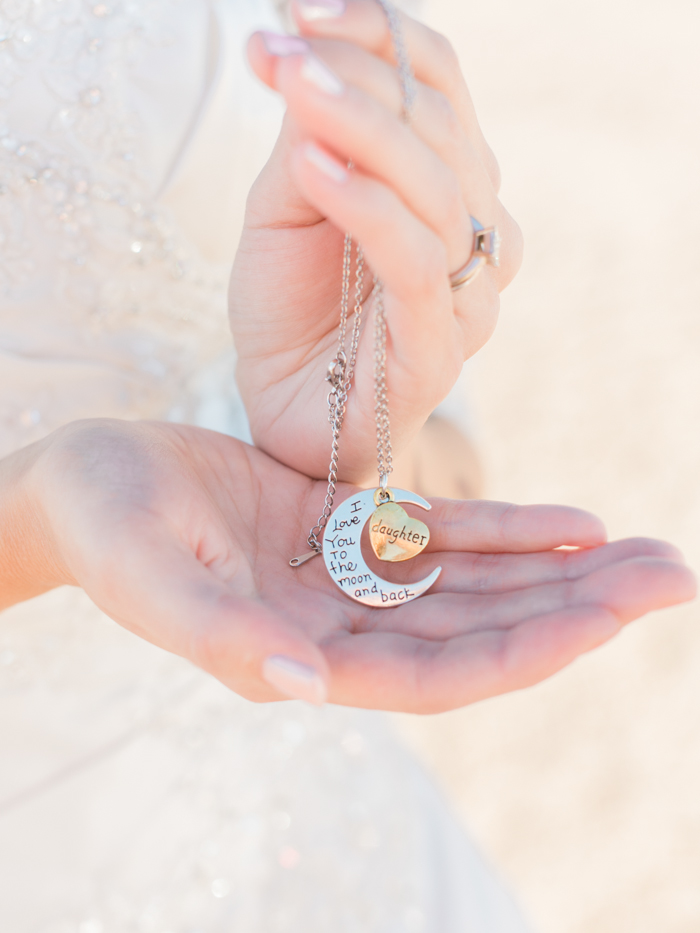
(293, 679)
(283, 45)
(330, 167)
(320, 75)
(320, 9)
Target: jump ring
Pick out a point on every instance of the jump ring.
(487, 245)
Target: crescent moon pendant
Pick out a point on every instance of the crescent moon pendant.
(346, 565)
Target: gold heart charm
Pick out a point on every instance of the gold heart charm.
(394, 535)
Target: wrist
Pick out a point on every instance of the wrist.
(29, 563)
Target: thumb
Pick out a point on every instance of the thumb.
(252, 650)
(166, 596)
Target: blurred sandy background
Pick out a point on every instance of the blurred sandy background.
(586, 790)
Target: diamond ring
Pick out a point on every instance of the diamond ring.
(487, 245)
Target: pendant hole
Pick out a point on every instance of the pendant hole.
(382, 496)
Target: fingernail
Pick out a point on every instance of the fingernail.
(293, 679)
(320, 75)
(325, 163)
(320, 9)
(283, 45)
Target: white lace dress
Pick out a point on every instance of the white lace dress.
(138, 795)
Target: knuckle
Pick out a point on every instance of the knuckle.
(369, 112)
(570, 570)
(452, 125)
(446, 118)
(446, 58)
(479, 312)
(493, 169)
(568, 594)
(452, 189)
(382, 204)
(506, 519)
(454, 211)
(486, 571)
(430, 269)
(512, 255)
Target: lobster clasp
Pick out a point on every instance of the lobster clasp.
(336, 370)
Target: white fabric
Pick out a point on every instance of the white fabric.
(137, 795)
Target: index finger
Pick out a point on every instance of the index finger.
(500, 527)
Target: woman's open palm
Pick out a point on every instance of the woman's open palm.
(184, 536)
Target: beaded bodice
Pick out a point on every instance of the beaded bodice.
(108, 306)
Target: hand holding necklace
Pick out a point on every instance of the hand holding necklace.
(408, 201)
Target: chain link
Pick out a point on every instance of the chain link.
(407, 79)
(342, 369)
(340, 375)
(381, 402)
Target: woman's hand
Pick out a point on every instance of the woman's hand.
(408, 201)
(184, 537)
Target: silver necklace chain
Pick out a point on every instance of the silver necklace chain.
(340, 374)
(381, 403)
(407, 79)
(342, 369)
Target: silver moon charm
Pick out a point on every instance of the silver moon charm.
(346, 565)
